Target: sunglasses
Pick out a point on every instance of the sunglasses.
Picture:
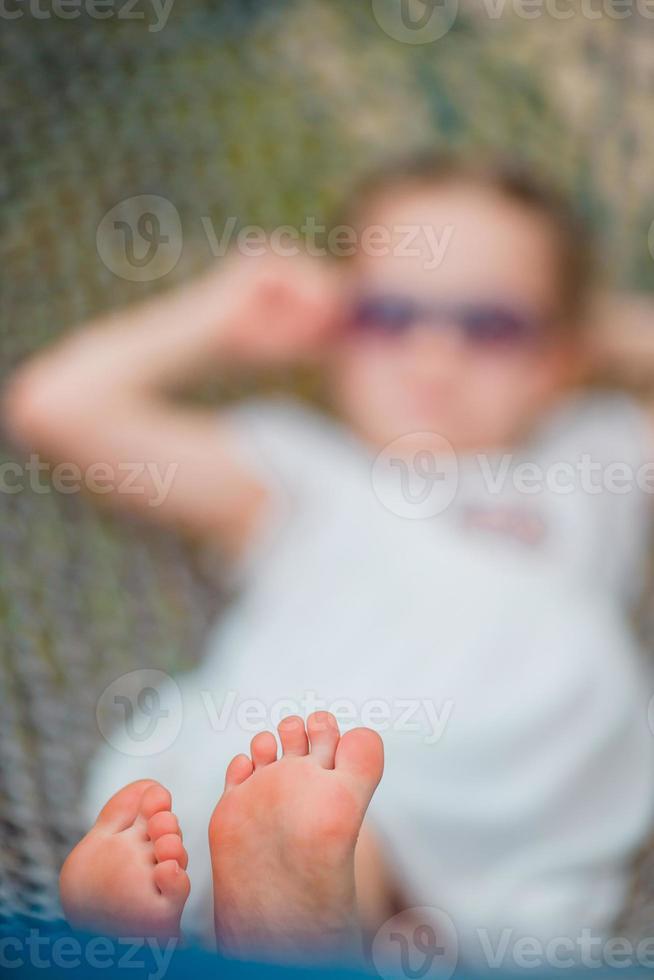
(482, 324)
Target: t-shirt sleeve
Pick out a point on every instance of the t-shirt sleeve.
(609, 427)
(303, 460)
(597, 453)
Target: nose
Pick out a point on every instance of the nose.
(435, 358)
(444, 341)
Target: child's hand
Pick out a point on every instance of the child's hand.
(275, 309)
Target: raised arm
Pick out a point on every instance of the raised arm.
(102, 397)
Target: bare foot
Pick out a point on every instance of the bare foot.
(128, 875)
(282, 841)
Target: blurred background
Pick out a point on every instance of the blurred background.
(254, 112)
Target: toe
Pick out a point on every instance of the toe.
(239, 769)
(360, 754)
(123, 807)
(172, 881)
(293, 736)
(324, 736)
(169, 847)
(162, 823)
(263, 749)
(154, 800)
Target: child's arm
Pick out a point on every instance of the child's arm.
(102, 396)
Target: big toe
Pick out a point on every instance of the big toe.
(154, 800)
(360, 754)
(123, 807)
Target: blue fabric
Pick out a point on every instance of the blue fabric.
(32, 948)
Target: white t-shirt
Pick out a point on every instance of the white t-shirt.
(492, 654)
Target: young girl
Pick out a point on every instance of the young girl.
(447, 560)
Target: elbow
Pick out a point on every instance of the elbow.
(36, 408)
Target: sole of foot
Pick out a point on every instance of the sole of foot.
(282, 841)
(128, 877)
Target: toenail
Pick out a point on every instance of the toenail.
(291, 722)
(322, 719)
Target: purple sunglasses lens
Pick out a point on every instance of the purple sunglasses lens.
(387, 313)
(480, 323)
(497, 325)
